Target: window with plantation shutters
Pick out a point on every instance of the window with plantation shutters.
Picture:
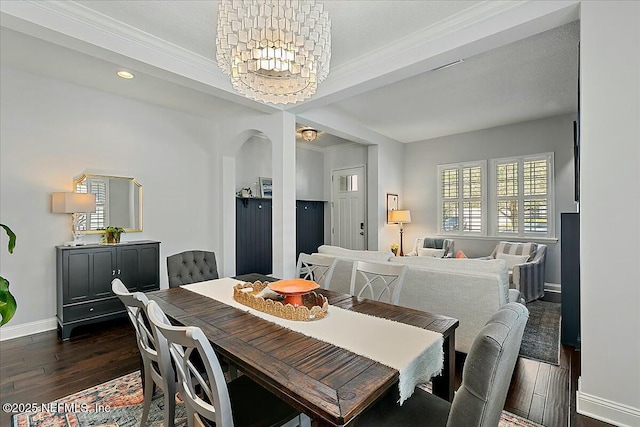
(462, 198)
(522, 204)
(99, 218)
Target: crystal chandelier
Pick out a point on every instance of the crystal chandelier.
(274, 50)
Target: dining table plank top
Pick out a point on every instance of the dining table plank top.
(330, 384)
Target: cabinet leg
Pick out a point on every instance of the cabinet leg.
(65, 332)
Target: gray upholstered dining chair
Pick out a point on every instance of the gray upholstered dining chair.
(485, 381)
(208, 398)
(377, 279)
(318, 268)
(154, 370)
(191, 267)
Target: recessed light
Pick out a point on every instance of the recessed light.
(125, 74)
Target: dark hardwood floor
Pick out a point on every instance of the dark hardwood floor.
(41, 368)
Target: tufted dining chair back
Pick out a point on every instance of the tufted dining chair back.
(191, 267)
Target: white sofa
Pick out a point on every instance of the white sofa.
(467, 289)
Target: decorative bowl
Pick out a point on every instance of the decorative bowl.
(293, 289)
(314, 306)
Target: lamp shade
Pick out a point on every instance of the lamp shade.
(73, 203)
(401, 217)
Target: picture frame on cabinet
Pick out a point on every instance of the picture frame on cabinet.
(266, 187)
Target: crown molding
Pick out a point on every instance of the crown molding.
(411, 42)
(101, 23)
(338, 147)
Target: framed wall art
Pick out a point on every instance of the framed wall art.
(392, 204)
(266, 187)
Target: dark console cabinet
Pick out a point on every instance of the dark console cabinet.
(570, 278)
(84, 275)
(254, 232)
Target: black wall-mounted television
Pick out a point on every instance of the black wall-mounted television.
(576, 141)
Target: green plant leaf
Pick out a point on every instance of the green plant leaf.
(8, 304)
(12, 238)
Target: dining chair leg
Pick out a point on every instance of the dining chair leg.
(233, 372)
(170, 405)
(148, 395)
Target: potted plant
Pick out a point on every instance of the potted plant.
(112, 234)
(394, 248)
(8, 304)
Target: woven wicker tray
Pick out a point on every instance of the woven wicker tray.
(315, 306)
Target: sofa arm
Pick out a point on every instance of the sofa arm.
(515, 296)
(529, 279)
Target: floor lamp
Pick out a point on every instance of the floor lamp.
(400, 217)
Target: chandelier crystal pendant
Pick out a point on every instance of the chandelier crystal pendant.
(274, 50)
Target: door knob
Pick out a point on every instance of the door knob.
(362, 233)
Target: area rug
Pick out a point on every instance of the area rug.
(541, 340)
(118, 403)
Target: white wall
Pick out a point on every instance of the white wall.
(554, 134)
(253, 163)
(610, 211)
(52, 131)
(310, 180)
(390, 179)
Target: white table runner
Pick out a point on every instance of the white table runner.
(414, 352)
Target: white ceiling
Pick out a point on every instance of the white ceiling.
(382, 54)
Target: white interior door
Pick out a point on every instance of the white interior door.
(348, 208)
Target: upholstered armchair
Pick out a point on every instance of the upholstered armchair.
(526, 264)
(434, 243)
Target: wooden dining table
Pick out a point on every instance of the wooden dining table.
(328, 383)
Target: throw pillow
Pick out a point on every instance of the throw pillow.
(512, 260)
(436, 253)
(460, 254)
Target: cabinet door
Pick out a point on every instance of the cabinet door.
(128, 266)
(76, 276)
(148, 268)
(103, 266)
(138, 267)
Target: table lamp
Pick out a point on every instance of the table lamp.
(74, 203)
(400, 217)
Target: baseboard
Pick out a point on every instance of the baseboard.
(552, 287)
(606, 410)
(10, 332)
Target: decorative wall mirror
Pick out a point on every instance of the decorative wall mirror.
(118, 203)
